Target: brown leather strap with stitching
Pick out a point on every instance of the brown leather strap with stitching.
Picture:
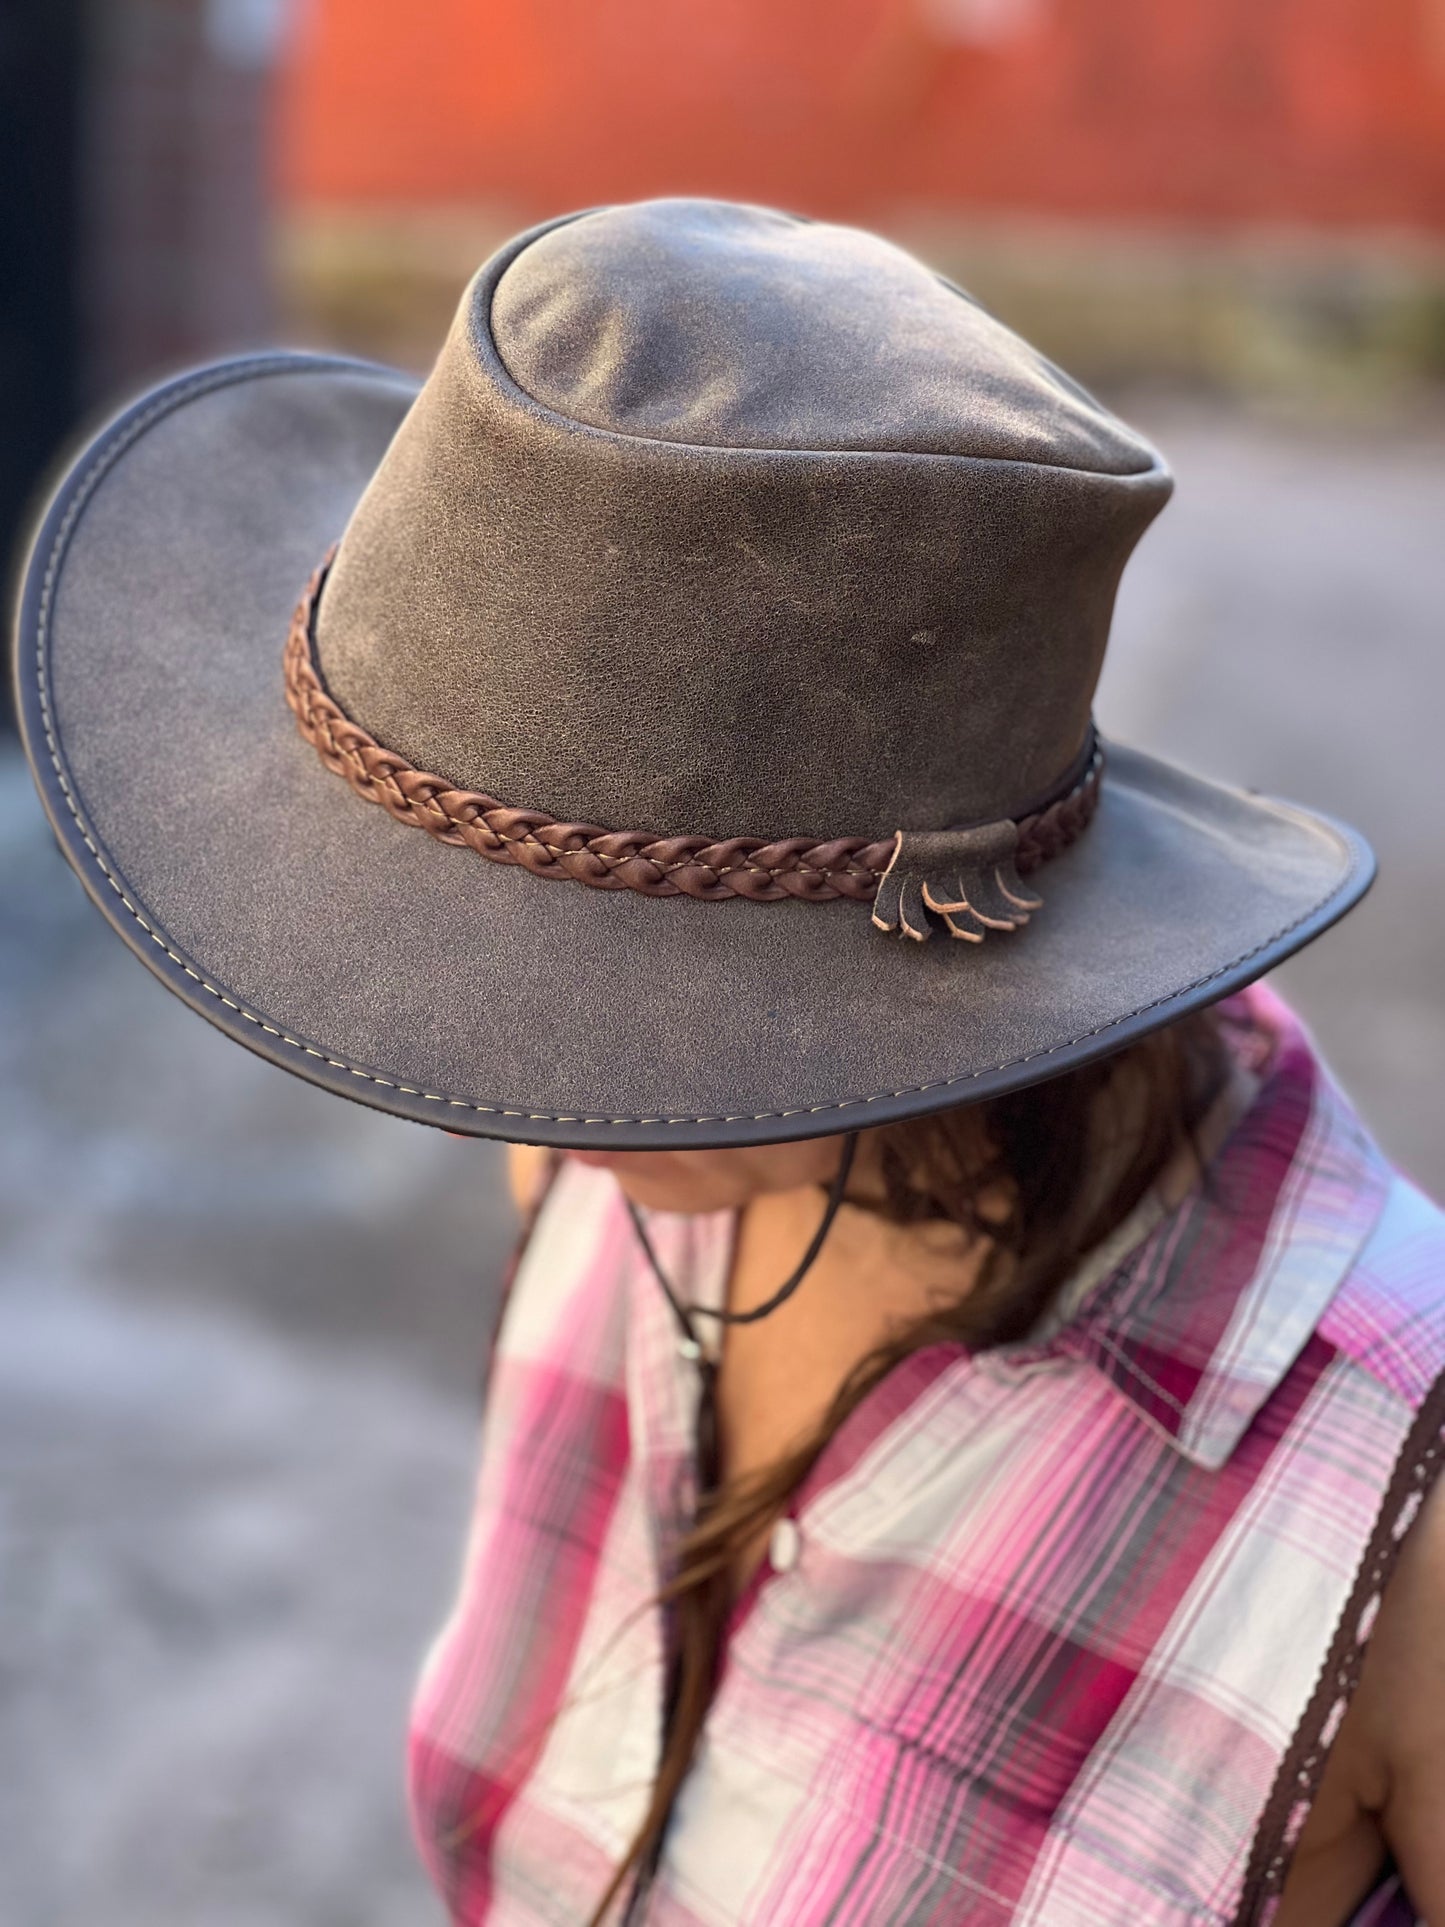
(694, 866)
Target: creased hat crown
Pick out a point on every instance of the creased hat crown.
(737, 327)
(714, 630)
(711, 520)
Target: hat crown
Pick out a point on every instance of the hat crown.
(712, 521)
(707, 323)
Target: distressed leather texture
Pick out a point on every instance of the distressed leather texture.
(395, 970)
(694, 489)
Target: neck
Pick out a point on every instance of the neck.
(777, 1377)
(867, 1266)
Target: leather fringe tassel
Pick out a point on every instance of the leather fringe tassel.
(966, 877)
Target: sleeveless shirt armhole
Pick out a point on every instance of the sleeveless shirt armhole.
(1416, 1469)
(550, 1170)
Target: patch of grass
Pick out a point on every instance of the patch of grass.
(1336, 325)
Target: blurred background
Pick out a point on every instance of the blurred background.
(241, 1324)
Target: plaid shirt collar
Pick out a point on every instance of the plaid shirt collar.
(1194, 1314)
(1201, 1320)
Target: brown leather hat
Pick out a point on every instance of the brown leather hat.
(717, 628)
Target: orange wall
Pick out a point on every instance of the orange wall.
(1205, 111)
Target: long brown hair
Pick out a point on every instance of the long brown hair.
(1038, 1177)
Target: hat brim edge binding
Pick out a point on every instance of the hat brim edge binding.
(291, 1047)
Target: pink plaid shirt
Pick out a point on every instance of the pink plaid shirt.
(1063, 1628)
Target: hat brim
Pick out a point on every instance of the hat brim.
(418, 978)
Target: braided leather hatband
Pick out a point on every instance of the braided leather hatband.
(694, 866)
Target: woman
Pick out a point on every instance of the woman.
(1214, 1151)
(960, 1438)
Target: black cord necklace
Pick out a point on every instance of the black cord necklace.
(708, 1467)
(690, 1345)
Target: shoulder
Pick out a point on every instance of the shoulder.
(1408, 1240)
(1388, 1312)
(1401, 1710)
(528, 1167)
(1388, 1318)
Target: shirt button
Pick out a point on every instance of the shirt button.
(783, 1546)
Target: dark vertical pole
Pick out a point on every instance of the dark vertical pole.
(134, 202)
(174, 188)
(40, 62)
